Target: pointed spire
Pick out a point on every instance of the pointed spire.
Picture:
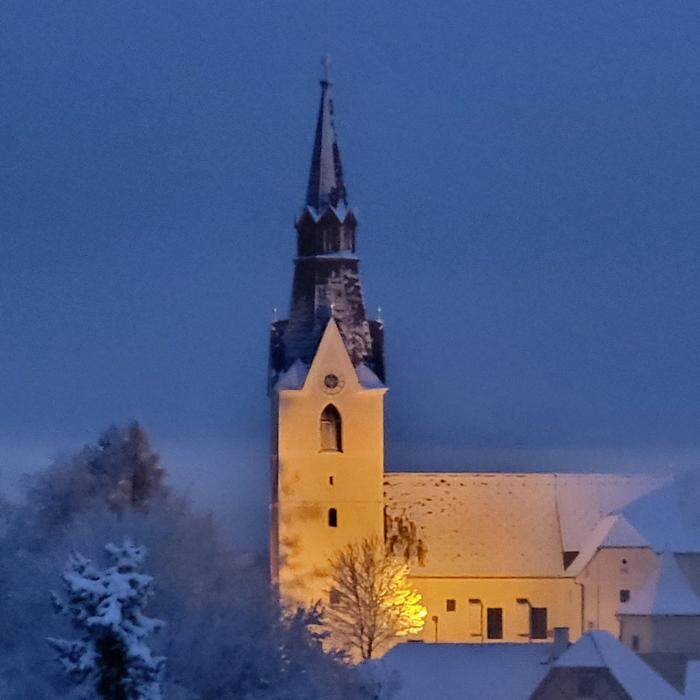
(326, 185)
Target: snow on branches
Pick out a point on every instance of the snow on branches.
(106, 607)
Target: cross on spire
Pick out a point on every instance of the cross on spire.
(326, 63)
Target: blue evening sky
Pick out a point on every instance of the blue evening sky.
(528, 181)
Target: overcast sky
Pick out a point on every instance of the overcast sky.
(527, 176)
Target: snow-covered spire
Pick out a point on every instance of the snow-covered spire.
(326, 268)
(326, 184)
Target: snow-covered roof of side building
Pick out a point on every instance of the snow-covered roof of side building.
(583, 499)
(611, 531)
(669, 517)
(505, 524)
(667, 592)
(599, 649)
(692, 680)
(459, 671)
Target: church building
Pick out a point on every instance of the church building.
(496, 556)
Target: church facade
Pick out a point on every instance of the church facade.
(496, 556)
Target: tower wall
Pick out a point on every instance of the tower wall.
(309, 481)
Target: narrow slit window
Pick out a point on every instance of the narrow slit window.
(331, 430)
(332, 517)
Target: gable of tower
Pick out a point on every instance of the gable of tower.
(333, 360)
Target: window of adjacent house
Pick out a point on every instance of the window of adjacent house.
(450, 605)
(330, 481)
(538, 623)
(494, 623)
(586, 686)
(332, 517)
(331, 430)
(624, 595)
(334, 597)
(635, 642)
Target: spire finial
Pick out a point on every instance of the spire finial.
(326, 63)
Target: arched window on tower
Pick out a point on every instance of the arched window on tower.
(331, 430)
(332, 517)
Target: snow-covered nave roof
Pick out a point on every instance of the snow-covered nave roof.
(611, 531)
(506, 524)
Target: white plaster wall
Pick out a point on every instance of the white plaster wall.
(677, 634)
(690, 565)
(605, 576)
(672, 634)
(641, 627)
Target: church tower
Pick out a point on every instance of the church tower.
(327, 389)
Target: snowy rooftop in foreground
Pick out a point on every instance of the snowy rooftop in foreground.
(511, 524)
(461, 671)
(600, 650)
(510, 671)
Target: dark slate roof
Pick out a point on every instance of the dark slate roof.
(326, 185)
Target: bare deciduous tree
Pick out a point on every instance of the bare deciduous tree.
(372, 600)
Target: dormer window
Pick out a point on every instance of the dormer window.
(331, 430)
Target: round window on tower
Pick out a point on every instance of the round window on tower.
(333, 383)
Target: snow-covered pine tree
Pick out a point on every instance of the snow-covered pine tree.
(106, 607)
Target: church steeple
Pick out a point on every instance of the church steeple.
(326, 185)
(326, 270)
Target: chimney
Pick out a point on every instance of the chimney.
(560, 643)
